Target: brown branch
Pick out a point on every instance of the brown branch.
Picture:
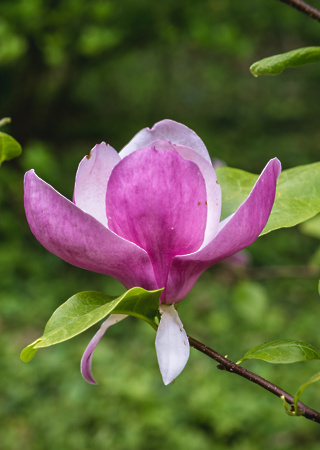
(304, 7)
(226, 364)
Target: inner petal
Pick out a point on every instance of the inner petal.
(158, 200)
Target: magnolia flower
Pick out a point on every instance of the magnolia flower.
(150, 217)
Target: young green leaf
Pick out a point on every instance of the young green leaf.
(311, 380)
(85, 309)
(297, 197)
(9, 147)
(283, 351)
(273, 65)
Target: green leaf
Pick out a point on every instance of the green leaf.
(28, 353)
(273, 65)
(9, 147)
(283, 351)
(311, 380)
(85, 309)
(297, 197)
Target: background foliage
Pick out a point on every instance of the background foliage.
(74, 73)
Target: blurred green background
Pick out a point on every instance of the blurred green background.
(74, 73)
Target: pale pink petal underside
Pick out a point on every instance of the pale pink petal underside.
(86, 360)
(92, 179)
(169, 131)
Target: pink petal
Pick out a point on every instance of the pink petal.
(212, 187)
(92, 179)
(157, 199)
(76, 237)
(235, 233)
(166, 130)
(86, 360)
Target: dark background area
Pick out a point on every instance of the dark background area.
(75, 73)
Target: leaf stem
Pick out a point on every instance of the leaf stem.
(229, 366)
(303, 7)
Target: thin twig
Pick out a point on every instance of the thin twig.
(303, 7)
(229, 366)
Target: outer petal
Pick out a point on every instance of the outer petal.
(212, 187)
(166, 130)
(157, 199)
(235, 233)
(172, 344)
(71, 234)
(86, 360)
(92, 179)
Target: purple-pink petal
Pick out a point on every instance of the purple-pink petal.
(78, 238)
(168, 131)
(158, 200)
(86, 360)
(212, 187)
(235, 233)
(92, 179)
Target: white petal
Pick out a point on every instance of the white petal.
(172, 344)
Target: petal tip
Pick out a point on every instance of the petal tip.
(85, 366)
